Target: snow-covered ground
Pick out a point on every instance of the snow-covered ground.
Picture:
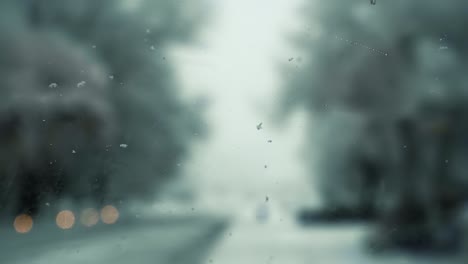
(166, 240)
(252, 243)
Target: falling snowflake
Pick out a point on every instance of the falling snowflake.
(81, 84)
(53, 85)
(123, 145)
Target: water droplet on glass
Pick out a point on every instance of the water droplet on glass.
(259, 126)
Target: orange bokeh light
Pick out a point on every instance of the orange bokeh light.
(65, 219)
(89, 217)
(23, 223)
(109, 215)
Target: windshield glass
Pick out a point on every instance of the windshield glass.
(233, 131)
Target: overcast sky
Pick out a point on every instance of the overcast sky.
(236, 64)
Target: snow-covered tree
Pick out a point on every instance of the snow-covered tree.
(89, 105)
(385, 85)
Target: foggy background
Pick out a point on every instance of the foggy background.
(237, 152)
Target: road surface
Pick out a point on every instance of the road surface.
(171, 240)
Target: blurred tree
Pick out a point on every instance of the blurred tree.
(89, 104)
(385, 85)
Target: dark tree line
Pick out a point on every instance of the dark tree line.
(89, 106)
(385, 86)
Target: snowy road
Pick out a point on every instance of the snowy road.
(253, 243)
(192, 240)
(174, 241)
